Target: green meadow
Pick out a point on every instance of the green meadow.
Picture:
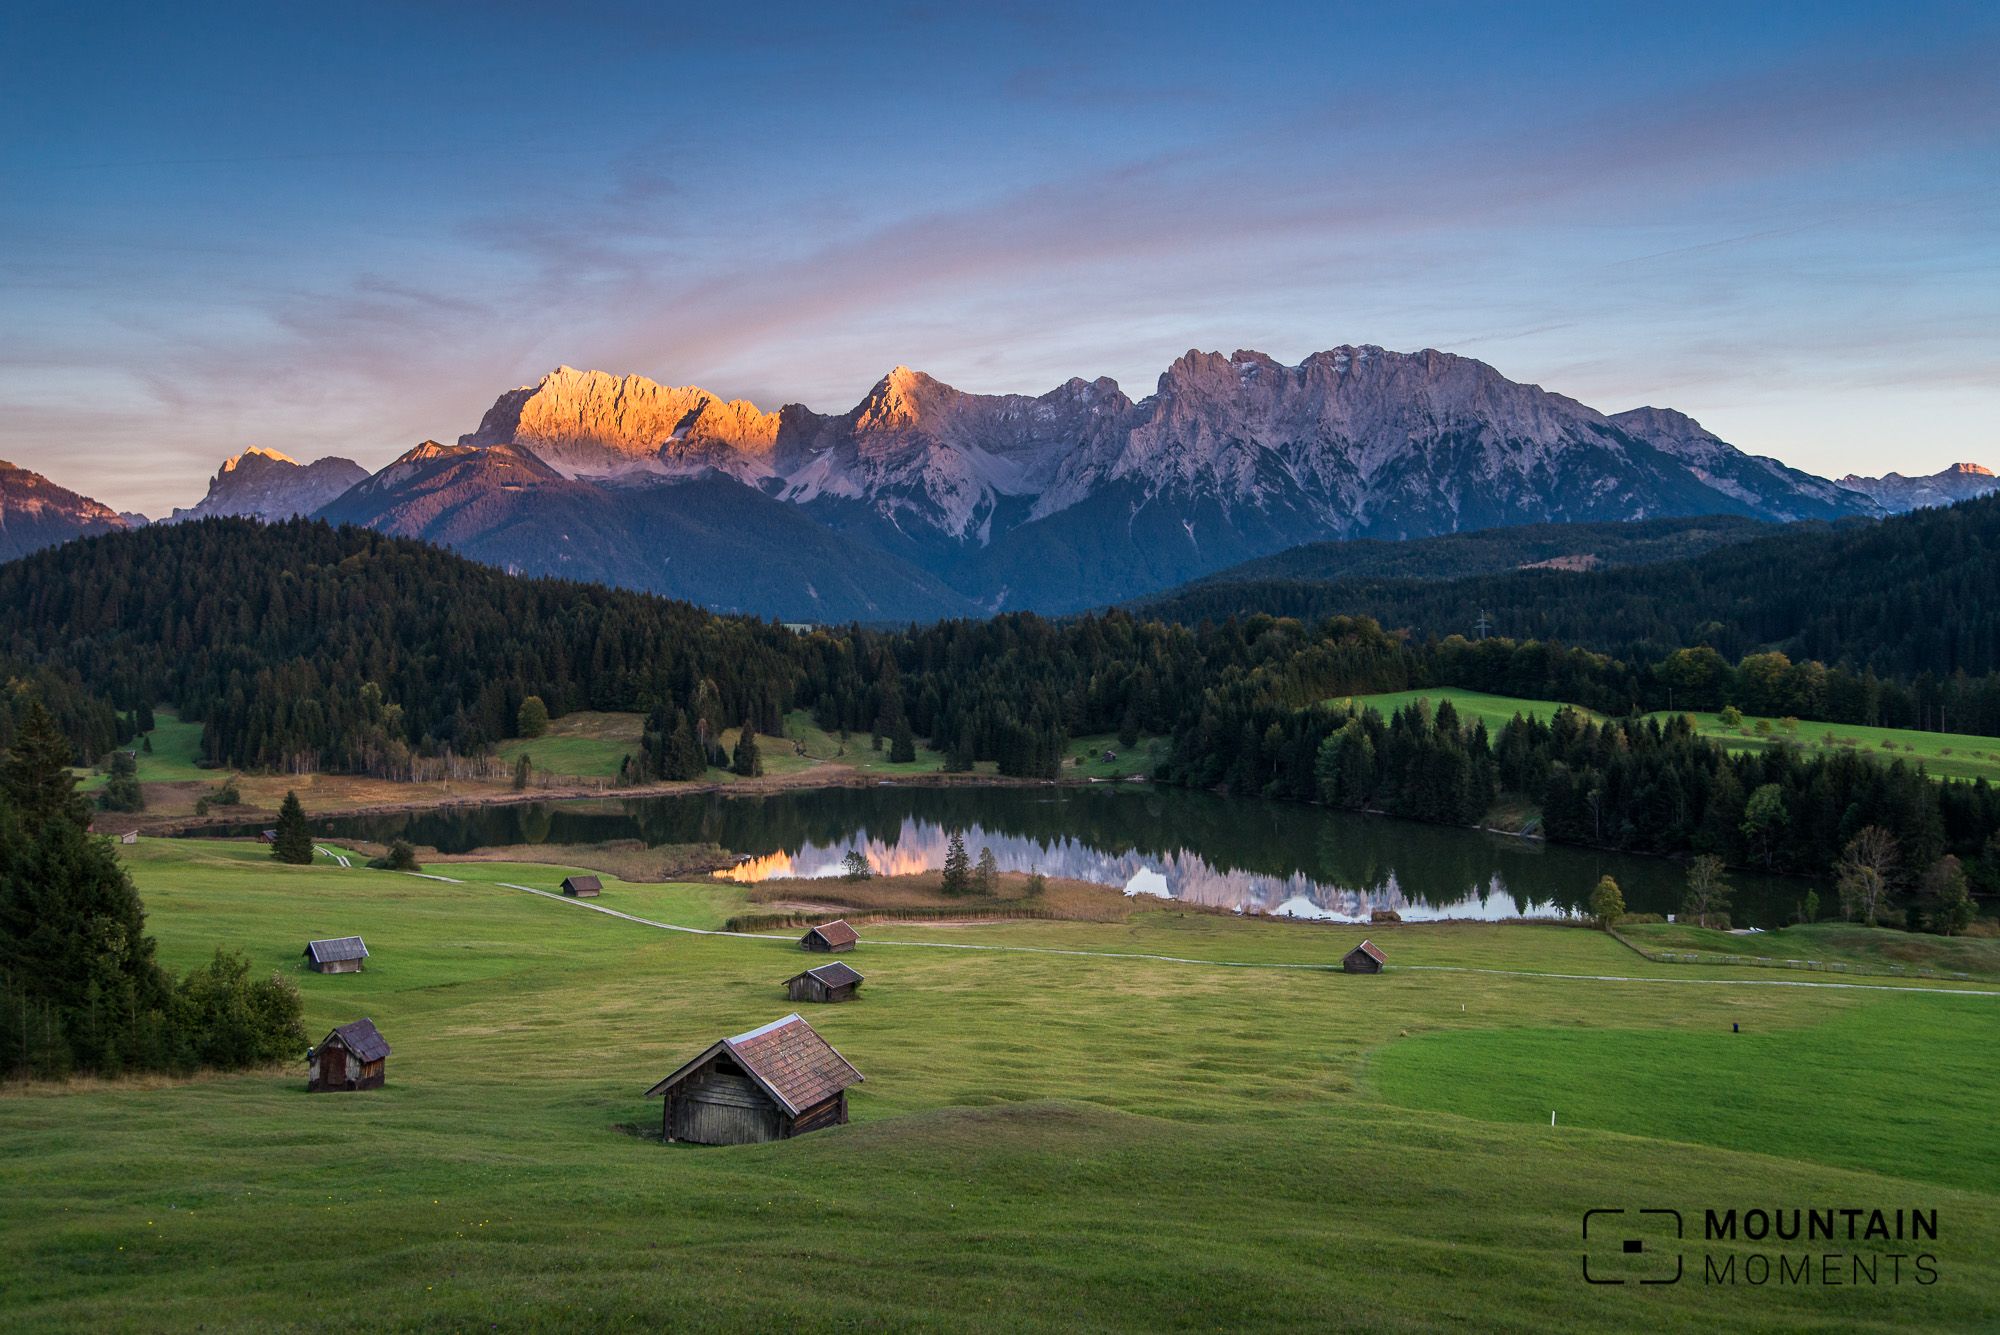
(176, 748)
(1045, 1141)
(1943, 754)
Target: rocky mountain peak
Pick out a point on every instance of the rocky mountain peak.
(591, 424)
(262, 483)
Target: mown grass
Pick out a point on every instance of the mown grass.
(1892, 1091)
(1044, 1142)
(1832, 943)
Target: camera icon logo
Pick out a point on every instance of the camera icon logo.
(1632, 1246)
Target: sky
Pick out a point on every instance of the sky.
(345, 229)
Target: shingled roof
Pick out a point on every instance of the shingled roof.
(361, 1039)
(336, 948)
(787, 1057)
(1368, 948)
(836, 974)
(837, 933)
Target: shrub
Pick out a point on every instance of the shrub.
(400, 857)
(533, 720)
(1731, 716)
(1607, 904)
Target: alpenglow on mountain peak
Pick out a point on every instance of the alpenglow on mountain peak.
(1079, 495)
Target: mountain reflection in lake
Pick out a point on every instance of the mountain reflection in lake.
(1237, 853)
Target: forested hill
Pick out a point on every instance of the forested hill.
(299, 645)
(1499, 550)
(1918, 593)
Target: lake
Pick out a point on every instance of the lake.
(1198, 847)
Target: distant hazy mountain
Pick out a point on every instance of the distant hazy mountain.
(1896, 493)
(703, 537)
(1081, 496)
(264, 484)
(36, 513)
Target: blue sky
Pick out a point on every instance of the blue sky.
(344, 229)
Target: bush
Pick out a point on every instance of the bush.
(1731, 716)
(533, 720)
(1038, 884)
(227, 795)
(228, 1022)
(1607, 904)
(400, 857)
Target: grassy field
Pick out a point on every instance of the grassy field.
(1832, 942)
(587, 743)
(176, 747)
(1045, 1142)
(1944, 754)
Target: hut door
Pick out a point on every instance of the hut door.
(332, 1066)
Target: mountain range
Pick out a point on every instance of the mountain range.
(924, 500)
(1082, 496)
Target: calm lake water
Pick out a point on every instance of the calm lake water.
(1197, 847)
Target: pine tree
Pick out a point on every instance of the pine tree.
(35, 778)
(903, 748)
(294, 842)
(957, 867)
(746, 760)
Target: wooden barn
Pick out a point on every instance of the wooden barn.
(342, 954)
(829, 982)
(353, 1056)
(1364, 958)
(582, 887)
(829, 937)
(773, 1083)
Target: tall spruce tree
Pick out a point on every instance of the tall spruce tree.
(294, 843)
(903, 746)
(35, 779)
(747, 761)
(957, 867)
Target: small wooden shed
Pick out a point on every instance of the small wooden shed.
(772, 1083)
(341, 954)
(353, 1056)
(829, 982)
(582, 887)
(1364, 958)
(829, 937)
(268, 837)
(129, 837)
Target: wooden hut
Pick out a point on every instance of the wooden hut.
(829, 937)
(1364, 958)
(129, 837)
(353, 1056)
(582, 887)
(342, 954)
(772, 1083)
(829, 982)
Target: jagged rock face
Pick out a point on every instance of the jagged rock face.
(587, 424)
(36, 513)
(264, 484)
(1773, 490)
(1896, 493)
(923, 456)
